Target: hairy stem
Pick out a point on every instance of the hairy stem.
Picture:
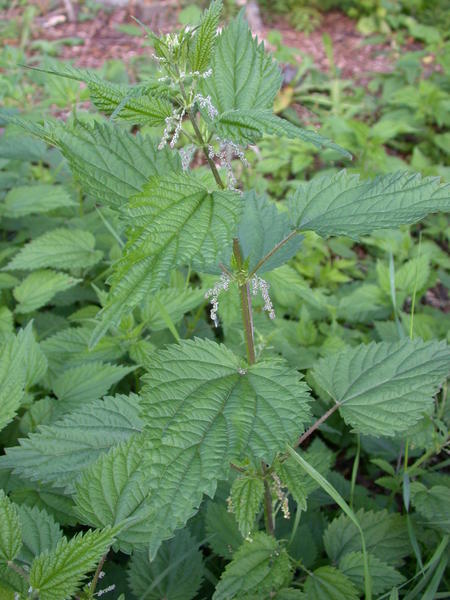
(246, 307)
(280, 244)
(317, 424)
(97, 575)
(268, 507)
(12, 565)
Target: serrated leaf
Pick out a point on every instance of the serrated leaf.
(34, 199)
(205, 37)
(433, 504)
(58, 453)
(12, 378)
(175, 573)
(40, 532)
(385, 534)
(176, 302)
(384, 388)
(246, 126)
(259, 566)
(179, 219)
(58, 574)
(222, 530)
(195, 426)
(114, 489)
(383, 576)
(10, 529)
(327, 583)
(243, 75)
(78, 386)
(38, 288)
(342, 204)
(246, 496)
(53, 501)
(34, 360)
(58, 249)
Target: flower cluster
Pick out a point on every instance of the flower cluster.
(206, 103)
(173, 128)
(282, 496)
(186, 155)
(259, 284)
(227, 151)
(213, 294)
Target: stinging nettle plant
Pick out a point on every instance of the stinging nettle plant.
(208, 413)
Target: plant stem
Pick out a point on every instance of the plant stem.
(18, 570)
(317, 424)
(97, 575)
(265, 258)
(246, 306)
(268, 508)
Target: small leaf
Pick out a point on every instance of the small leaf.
(38, 288)
(10, 529)
(40, 532)
(12, 378)
(433, 505)
(205, 37)
(32, 199)
(246, 496)
(34, 360)
(222, 530)
(384, 577)
(327, 583)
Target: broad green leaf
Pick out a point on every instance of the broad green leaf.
(222, 530)
(32, 199)
(385, 533)
(59, 573)
(384, 577)
(433, 505)
(52, 501)
(58, 249)
(175, 302)
(384, 388)
(342, 204)
(40, 532)
(175, 573)
(34, 360)
(223, 411)
(205, 37)
(327, 583)
(178, 219)
(12, 377)
(10, 529)
(246, 497)
(77, 386)
(38, 288)
(243, 75)
(114, 489)
(260, 566)
(246, 126)
(58, 453)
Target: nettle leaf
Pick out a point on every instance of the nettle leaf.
(222, 530)
(114, 489)
(205, 37)
(246, 126)
(58, 453)
(260, 566)
(59, 574)
(10, 529)
(383, 576)
(78, 386)
(433, 505)
(179, 219)
(327, 583)
(33, 199)
(12, 377)
(171, 301)
(246, 496)
(52, 501)
(384, 388)
(243, 75)
(58, 249)
(196, 425)
(174, 574)
(385, 533)
(34, 360)
(38, 288)
(40, 532)
(342, 204)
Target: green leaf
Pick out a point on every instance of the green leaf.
(176, 302)
(10, 529)
(222, 530)
(33, 199)
(246, 496)
(384, 577)
(175, 574)
(12, 378)
(246, 126)
(179, 219)
(384, 388)
(343, 205)
(34, 360)
(58, 453)
(433, 505)
(195, 426)
(327, 583)
(59, 574)
(40, 532)
(205, 37)
(78, 386)
(243, 75)
(38, 288)
(385, 533)
(58, 249)
(114, 489)
(259, 566)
